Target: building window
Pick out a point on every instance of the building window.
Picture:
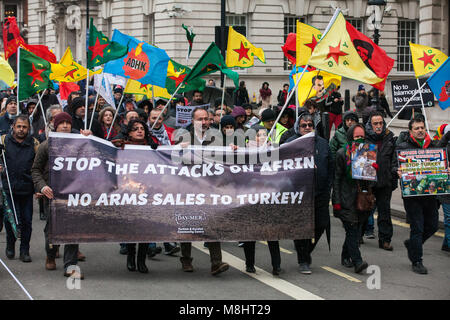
(357, 23)
(290, 26)
(236, 20)
(11, 10)
(407, 31)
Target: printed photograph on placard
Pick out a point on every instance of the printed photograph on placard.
(363, 156)
(424, 172)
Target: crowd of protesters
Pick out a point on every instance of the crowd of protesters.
(148, 122)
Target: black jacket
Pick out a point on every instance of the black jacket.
(5, 124)
(78, 124)
(385, 154)
(335, 107)
(19, 160)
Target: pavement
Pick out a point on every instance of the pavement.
(389, 276)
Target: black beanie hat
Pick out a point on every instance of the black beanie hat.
(226, 120)
(78, 102)
(268, 115)
(11, 98)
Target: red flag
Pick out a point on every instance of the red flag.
(41, 51)
(11, 37)
(289, 47)
(373, 56)
(65, 88)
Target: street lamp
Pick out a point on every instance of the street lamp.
(376, 7)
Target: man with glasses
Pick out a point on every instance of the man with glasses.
(322, 188)
(378, 134)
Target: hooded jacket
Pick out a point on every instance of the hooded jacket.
(340, 136)
(385, 154)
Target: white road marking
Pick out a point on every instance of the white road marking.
(268, 279)
(18, 282)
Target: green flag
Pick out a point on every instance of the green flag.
(33, 74)
(172, 81)
(211, 61)
(101, 50)
(190, 35)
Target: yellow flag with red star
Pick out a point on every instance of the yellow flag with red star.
(425, 59)
(67, 70)
(135, 87)
(240, 52)
(307, 39)
(336, 53)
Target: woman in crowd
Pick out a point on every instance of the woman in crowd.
(105, 118)
(345, 190)
(137, 134)
(240, 116)
(265, 95)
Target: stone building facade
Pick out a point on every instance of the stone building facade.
(61, 23)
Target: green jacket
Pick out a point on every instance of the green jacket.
(338, 141)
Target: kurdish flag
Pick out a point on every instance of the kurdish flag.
(67, 70)
(135, 87)
(6, 74)
(33, 74)
(101, 50)
(344, 52)
(425, 59)
(240, 52)
(176, 73)
(211, 61)
(143, 62)
(307, 39)
(439, 83)
(324, 81)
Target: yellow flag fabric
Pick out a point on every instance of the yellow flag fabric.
(67, 70)
(240, 52)
(6, 74)
(425, 59)
(135, 87)
(308, 89)
(336, 54)
(307, 39)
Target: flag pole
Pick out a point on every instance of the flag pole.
(18, 81)
(423, 106)
(401, 109)
(162, 112)
(115, 115)
(86, 106)
(285, 104)
(223, 97)
(34, 111)
(95, 105)
(42, 108)
(9, 186)
(153, 96)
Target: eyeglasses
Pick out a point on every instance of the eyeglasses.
(306, 125)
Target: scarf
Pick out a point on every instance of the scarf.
(161, 135)
(105, 132)
(422, 144)
(265, 93)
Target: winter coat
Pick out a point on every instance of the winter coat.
(338, 141)
(19, 160)
(39, 170)
(278, 132)
(345, 189)
(385, 154)
(241, 97)
(445, 143)
(5, 124)
(335, 107)
(78, 124)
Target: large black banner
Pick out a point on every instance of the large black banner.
(105, 194)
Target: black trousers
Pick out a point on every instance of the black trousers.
(305, 247)
(274, 249)
(383, 201)
(423, 216)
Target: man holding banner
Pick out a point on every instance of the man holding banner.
(422, 211)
